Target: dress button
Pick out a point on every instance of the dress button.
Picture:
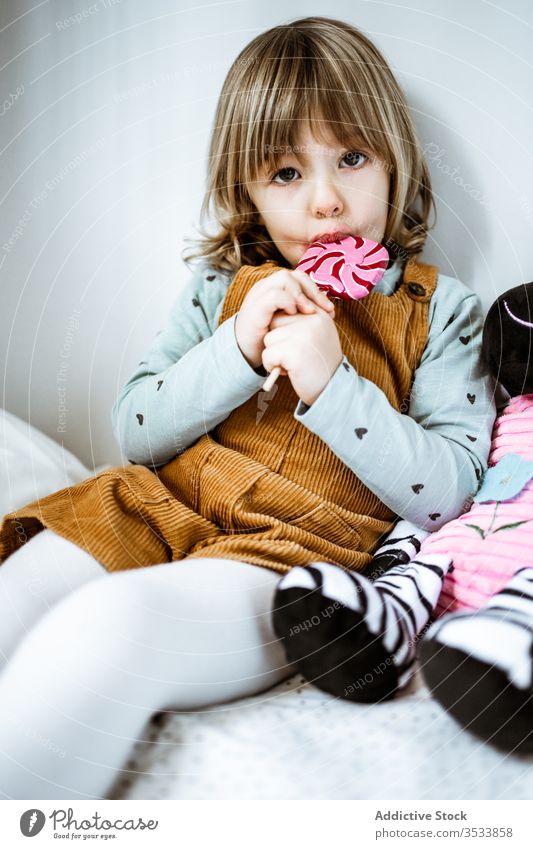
(416, 289)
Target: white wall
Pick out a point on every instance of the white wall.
(104, 128)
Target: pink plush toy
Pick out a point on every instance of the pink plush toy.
(495, 537)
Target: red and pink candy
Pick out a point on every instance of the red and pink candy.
(348, 268)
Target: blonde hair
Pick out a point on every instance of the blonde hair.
(310, 69)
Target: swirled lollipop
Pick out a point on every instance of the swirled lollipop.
(348, 268)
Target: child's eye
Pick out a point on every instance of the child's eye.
(286, 174)
(352, 154)
(284, 171)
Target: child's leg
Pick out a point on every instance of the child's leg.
(480, 666)
(81, 687)
(352, 637)
(46, 568)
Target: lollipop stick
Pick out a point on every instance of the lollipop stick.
(271, 379)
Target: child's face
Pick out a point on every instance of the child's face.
(330, 189)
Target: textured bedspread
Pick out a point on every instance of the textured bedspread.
(295, 742)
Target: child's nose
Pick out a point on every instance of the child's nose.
(326, 200)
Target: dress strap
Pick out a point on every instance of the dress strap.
(419, 279)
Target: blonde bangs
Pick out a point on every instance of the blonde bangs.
(325, 103)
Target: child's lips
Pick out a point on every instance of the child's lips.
(331, 236)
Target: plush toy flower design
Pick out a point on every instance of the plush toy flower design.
(503, 482)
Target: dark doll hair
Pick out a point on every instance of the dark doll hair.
(507, 346)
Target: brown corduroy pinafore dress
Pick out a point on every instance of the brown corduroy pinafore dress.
(259, 487)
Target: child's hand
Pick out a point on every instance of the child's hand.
(287, 290)
(307, 348)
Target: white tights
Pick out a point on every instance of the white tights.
(87, 656)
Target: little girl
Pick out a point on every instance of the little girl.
(381, 411)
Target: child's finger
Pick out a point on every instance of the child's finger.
(280, 318)
(312, 290)
(304, 304)
(276, 300)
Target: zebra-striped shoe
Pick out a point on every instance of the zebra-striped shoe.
(400, 546)
(352, 638)
(479, 667)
